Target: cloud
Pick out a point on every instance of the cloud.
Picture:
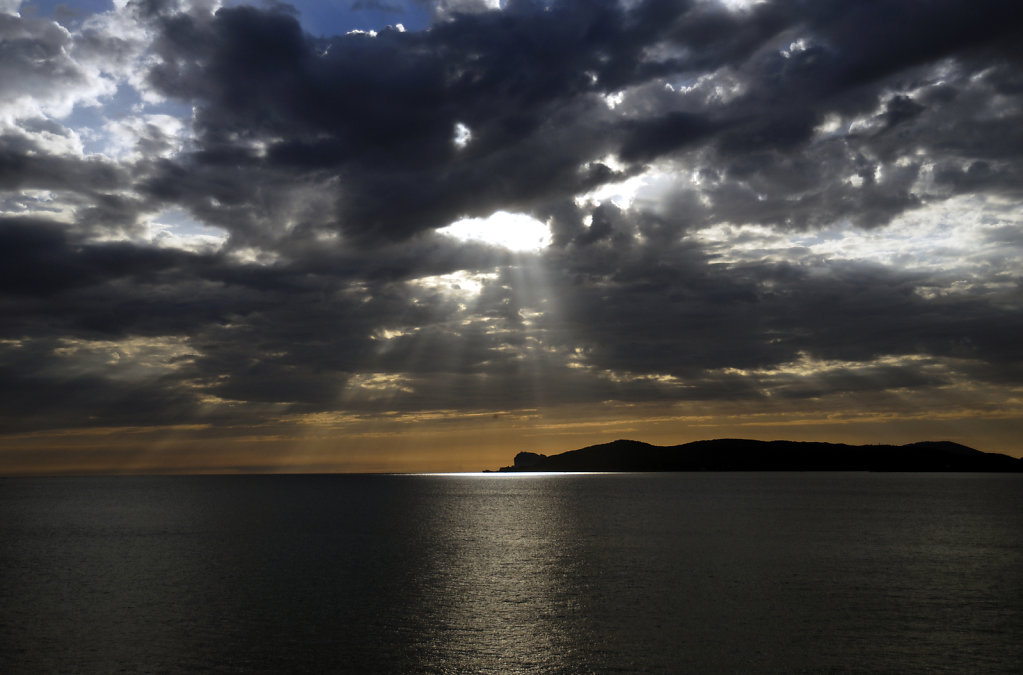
(784, 203)
(46, 70)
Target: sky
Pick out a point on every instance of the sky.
(400, 235)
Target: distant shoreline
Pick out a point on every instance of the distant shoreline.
(732, 454)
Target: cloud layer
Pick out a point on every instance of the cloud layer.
(213, 215)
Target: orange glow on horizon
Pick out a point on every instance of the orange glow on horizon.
(448, 442)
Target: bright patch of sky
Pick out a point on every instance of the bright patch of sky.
(459, 284)
(645, 189)
(741, 5)
(462, 135)
(513, 231)
(130, 359)
(43, 203)
(958, 237)
(174, 228)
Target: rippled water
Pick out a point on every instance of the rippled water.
(628, 573)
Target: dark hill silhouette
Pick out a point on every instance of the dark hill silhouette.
(734, 454)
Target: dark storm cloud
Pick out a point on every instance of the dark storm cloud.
(378, 113)
(671, 312)
(40, 258)
(24, 165)
(40, 392)
(252, 334)
(335, 160)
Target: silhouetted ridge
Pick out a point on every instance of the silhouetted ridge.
(736, 454)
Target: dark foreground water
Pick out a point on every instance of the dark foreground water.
(704, 572)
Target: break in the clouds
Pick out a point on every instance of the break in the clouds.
(230, 215)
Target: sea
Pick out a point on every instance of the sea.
(513, 573)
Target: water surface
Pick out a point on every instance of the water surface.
(698, 572)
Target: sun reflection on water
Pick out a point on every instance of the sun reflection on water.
(494, 588)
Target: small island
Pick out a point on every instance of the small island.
(734, 454)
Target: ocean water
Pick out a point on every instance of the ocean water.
(604, 573)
